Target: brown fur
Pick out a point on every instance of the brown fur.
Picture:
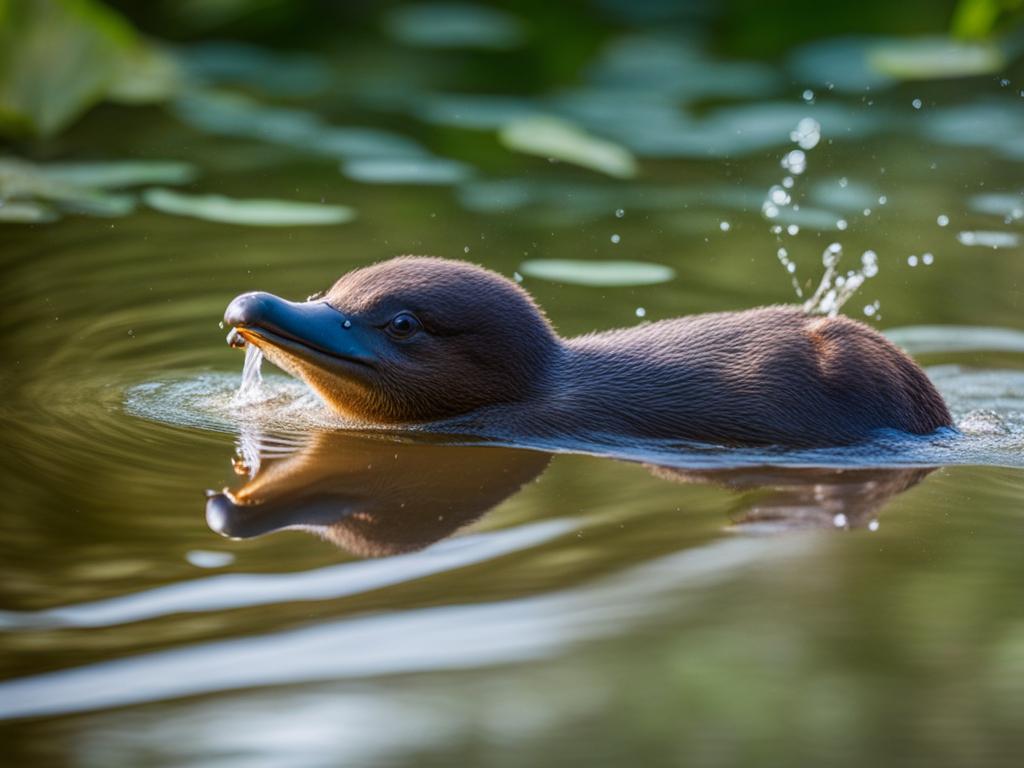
(489, 362)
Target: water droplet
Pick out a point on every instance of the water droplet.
(873, 526)
(640, 312)
(867, 211)
(1004, 82)
(795, 162)
(770, 211)
(725, 226)
(912, 260)
(844, 182)
(869, 263)
(942, 220)
(778, 195)
(221, 325)
(466, 249)
(808, 96)
(619, 213)
(347, 324)
(840, 521)
(841, 224)
(869, 310)
(793, 229)
(616, 239)
(807, 133)
(916, 103)
(201, 558)
(927, 259)
(517, 277)
(882, 199)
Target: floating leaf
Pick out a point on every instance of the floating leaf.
(24, 181)
(989, 239)
(479, 111)
(26, 212)
(455, 25)
(92, 203)
(118, 174)
(597, 273)
(934, 58)
(259, 213)
(1006, 204)
(294, 74)
(561, 140)
(840, 63)
(924, 339)
(233, 115)
(411, 170)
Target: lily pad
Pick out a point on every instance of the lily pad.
(924, 339)
(561, 140)
(116, 175)
(28, 182)
(455, 25)
(26, 212)
(227, 114)
(597, 273)
(251, 212)
(1006, 204)
(407, 170)
(933, 58)
(988, 239)
(286, 74)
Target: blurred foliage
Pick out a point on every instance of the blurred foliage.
(59, 57)
(976, 19)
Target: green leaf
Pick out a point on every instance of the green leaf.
(59, 57)
(258, 213)
(553, 138)
(597, 273)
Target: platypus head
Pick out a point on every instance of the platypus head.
(408, 340)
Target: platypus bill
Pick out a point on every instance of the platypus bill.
(426, 342)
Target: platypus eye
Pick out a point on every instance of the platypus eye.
(403, 325)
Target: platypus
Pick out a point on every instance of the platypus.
(430, 343)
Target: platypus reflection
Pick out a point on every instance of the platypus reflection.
(375, 496)
(420, 341)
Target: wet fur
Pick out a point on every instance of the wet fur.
(492, 364)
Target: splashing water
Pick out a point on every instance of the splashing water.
(835, 289)
(250, 388)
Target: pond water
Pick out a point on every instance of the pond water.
(399, 599)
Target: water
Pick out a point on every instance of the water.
(392, 598)
(250, 388)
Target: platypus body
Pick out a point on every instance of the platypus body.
(424, 342)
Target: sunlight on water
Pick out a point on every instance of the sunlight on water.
(437, 638)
